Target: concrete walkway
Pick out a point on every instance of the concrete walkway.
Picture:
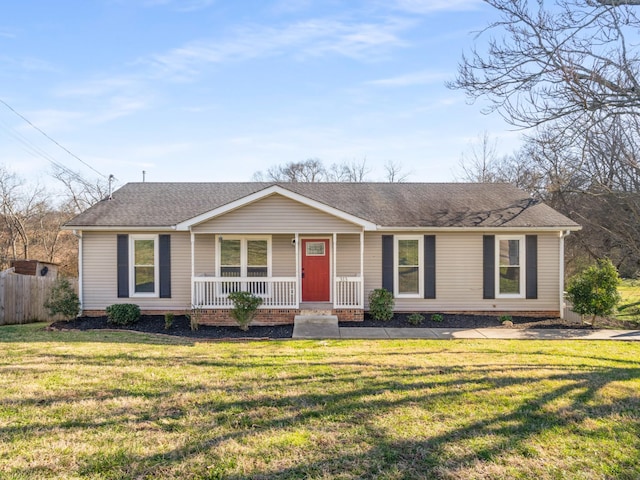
(494, 333)
(322, 326)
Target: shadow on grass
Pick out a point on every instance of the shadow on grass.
(351, 396)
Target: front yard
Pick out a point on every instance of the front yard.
(110, 405)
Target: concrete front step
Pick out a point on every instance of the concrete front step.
(315, 312)
(316, 326)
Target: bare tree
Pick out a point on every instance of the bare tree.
(394, 172)
(310, 170)
(354, 171)
(81, 193)
(574, 58)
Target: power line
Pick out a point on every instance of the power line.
(52, 140)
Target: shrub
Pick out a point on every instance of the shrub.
(381, 304)
(168, 320)
(415, 319)
(194, 317)
(505, 318)
(437, 317)
(123, 313)
(245, 307)
(63, 300)
(595, 291)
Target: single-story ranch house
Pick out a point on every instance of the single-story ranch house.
(439, 247)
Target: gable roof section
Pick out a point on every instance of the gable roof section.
(379, 206)
(272, 190)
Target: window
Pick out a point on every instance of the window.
(247, 257)
(144, 260)
(408, 265)
(510, 266)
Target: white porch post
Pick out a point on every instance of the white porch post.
(298, 275)
(362, 269)
(335, 272)
(193, 267)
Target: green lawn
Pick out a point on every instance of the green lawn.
(123, 406)
(629, 307)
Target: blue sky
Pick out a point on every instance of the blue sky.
(214, 90)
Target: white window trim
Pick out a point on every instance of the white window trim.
(132, 266)
(396, 282)
(521, 263)
(244, 257)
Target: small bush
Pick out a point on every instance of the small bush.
(123, 313)
(437, 317)
(595, 291)
(63, 300)
(245, 307)
(381, 304)
(168, 320)
(194, 317)
(505, 318)
(415, 319)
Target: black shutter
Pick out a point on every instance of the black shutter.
(532, 266)
(164, 248)
(489, 266)
(123, 266)
(387, 262)
(429, 266)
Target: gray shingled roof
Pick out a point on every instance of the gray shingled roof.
(385, 204)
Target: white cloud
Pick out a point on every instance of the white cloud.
(362, 41)
(410, 79)
(430, 6)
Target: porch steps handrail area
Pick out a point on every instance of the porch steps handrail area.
(276, 292)
(213, 292)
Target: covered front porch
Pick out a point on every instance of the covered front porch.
(289, 271)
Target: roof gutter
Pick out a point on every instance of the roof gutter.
(119, 228)
(480, 228)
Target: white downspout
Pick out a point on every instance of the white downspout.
(80, 268)
(561, 283)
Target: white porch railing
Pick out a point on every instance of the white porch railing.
(213, 292)
(348, 292)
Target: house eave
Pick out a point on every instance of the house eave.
(120, 228)
(572, 228)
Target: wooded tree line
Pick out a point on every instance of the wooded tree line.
(567, 72)
(32, 218)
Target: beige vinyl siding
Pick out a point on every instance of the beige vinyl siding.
(348, 255)
(459, 275)
(204, 255)
(99, 278)
(276, 214)
(283, 256)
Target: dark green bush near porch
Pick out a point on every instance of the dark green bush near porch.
(123, 313)
(381, 304)
(245, 307)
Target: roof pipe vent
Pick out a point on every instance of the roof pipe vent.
(111, 179)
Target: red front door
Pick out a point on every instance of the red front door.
(315, 271)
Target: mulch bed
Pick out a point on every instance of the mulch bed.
(181, 326)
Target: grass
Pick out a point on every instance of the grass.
(107, 405)
(629, 307)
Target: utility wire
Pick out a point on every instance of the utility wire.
(51, 139)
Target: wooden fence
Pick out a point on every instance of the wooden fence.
(22, 298)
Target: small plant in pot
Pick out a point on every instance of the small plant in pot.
(245, 307)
